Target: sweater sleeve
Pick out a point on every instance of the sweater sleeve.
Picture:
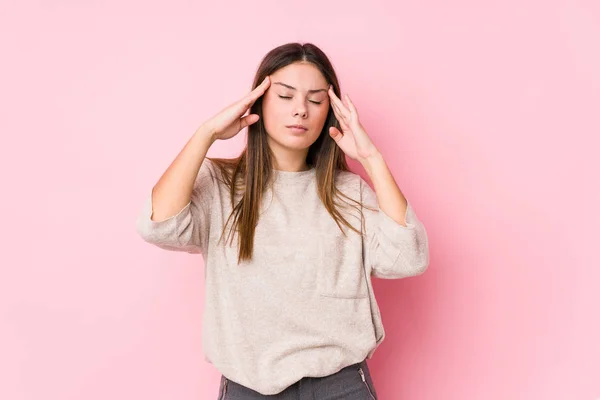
(188, 229)
(393, 251)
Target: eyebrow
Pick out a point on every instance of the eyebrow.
(293, 88)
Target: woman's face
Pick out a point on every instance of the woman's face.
(297, 95)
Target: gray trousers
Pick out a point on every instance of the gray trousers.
(350, 383)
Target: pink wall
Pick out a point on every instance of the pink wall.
(487, 113)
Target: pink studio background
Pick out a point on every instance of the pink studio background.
(487, 113)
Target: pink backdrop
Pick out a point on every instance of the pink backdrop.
(487, 113)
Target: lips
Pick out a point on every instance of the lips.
(297, 127)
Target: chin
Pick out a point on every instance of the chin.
(294, 142)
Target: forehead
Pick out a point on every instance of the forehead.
(303, 76)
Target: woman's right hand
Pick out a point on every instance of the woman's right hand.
(229, 122)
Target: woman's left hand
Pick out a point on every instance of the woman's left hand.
(353, 140)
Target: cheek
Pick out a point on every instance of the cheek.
(274, 115)
(272, 109)
(320, 115)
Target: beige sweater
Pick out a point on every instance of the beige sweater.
(304, 306)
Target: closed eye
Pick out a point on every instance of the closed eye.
(288, 97)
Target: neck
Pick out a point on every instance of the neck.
(289, 160)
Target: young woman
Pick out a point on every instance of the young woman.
(290, 237)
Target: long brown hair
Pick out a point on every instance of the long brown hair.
(250, 173)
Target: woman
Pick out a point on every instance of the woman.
(290, 237)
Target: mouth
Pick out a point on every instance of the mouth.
(297, 128)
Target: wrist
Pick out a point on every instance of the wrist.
(206, 134)
(373, 163)
(373, 158)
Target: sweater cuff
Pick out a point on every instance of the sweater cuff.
(163, 228)
(395, 231)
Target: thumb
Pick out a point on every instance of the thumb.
(248, 120)
(335, 133)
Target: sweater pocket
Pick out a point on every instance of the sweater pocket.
(340, 273)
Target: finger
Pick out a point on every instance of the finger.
(339, 115)
(351, 105)
(335, 133)
(260, 89)
(345, 101)
(347, 105)
(335, 108)
(335, 100)
(335, 111)
(248, 120)
(341, 119)
(256, 93)
(343, 111)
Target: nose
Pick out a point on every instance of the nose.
(300, 109)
